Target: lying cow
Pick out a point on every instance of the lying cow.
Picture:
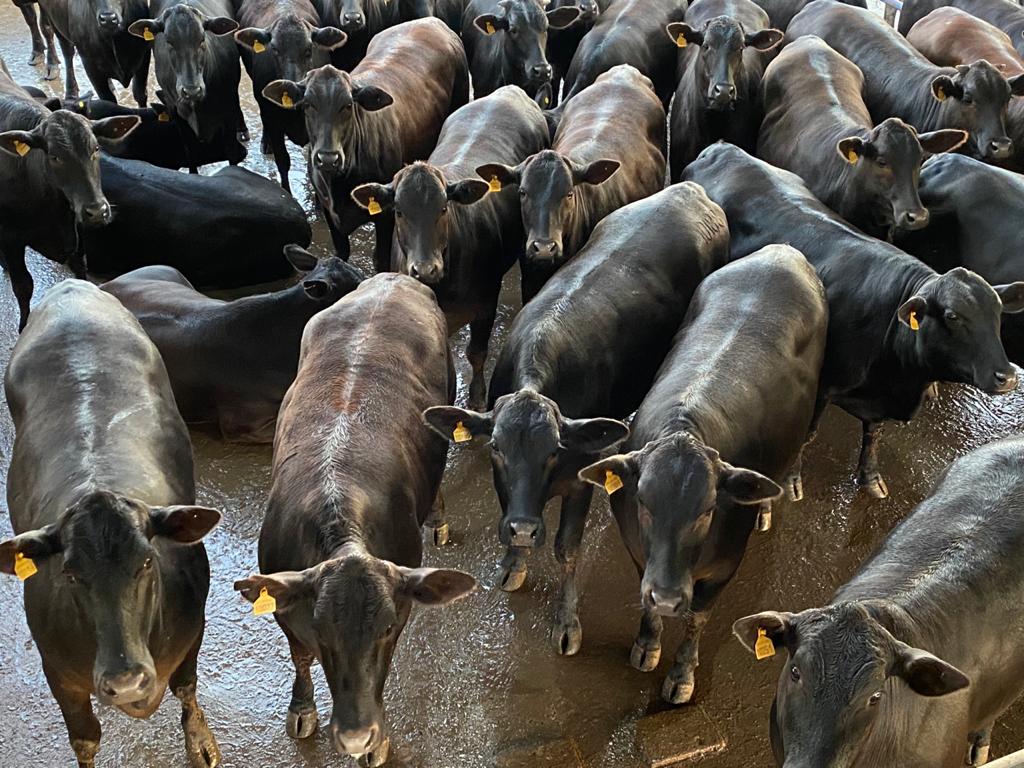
(587, 346)
(231, 362)
(707, 447)
(1002, 14)
(724, 48)
(608, 151)
(817, 126)
(895, 325)
(102, 501)
(892, 671)
(340, 549)
(900, 82)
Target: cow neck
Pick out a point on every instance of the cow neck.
(901, 339)
(350, 549)
(894, 617)
(680, 422)
(270, 311)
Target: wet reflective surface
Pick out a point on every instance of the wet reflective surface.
(476, 684)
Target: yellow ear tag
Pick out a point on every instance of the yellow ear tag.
(764, 648)
(81, 105)
(258, 47)
(490, 28)
(24, 568)
(852, 157)
(914, 325)
(940, 95)
(681, 41)
(286, 101)
(265, 603)
(494, 185)
(373, 207)
(164, 117)
(612, 482)
(147, 35)
(461, 433)
(22, 148)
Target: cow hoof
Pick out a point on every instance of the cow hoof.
(378, 757)
(677, 691)
(932, 393)
(764, 520)
(567, 637)
(978, 755)
(203, 751)
(52, 73)
(645, 659)
(301, 725)
(795, 486)
(875, 487)
(243, 136)
(512, 580)
(441, 535)
(85, 752)
(37, 58)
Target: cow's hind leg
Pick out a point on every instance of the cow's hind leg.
(13, 257)
(70, 81)
(38, 48)
(567, 634)
(83, 727)
(52, 62)
(302, 719)
(200, 744)
(479, 338)
(436, 521)
(869, 478)
(140, 82)
(680, 682)
(979, 746)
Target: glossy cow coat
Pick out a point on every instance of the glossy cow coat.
(587, 346)
(900, 82)
(340, 542)
(563, 43)
(877, 365)
(362, 20)
(817, 125)
(102, 502)
(781, 12)
(1002, 14)
(231, 362)
(912, 679)
(608, 150)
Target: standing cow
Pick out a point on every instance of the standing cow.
(103, 504)
(1002, 14)
(564, 42)
(608, 150)
(340, 549)
(893, 671)
(588, 346)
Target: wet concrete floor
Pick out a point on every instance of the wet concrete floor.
(476, 684)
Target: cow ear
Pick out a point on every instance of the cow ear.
(251, 36)
(458, 424)
(285, 94)
(436, 586)
(1016, 85)
(851, 149)
(381, 194)
(596, 172)
(36, 545)
(1012, 296)
(329, 38)
(489, 23)
(612, 473)
(505, 174)
(592, 435)
(371, 98)
(926, 674)
(20, 143)
(220, 26)
(147, 29)
(163, 114)
(776, 627)
(682, 34)
(764, 39)
(467, 191)
(300, 258)
(943, 87)
(543, 99)
(916, 306)
(54, 103)
(746, 486)
(183, 523)
(114, 129)
(946, 140)
(560, 18)
(286, 587)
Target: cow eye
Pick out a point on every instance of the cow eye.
(513, 31)
(952, 317)
(444, 210)
(881, 162)
(522, 192)
(72, 579)
(967, 99)
(875, 698)
(794, 674)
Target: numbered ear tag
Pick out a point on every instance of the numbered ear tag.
(286, 101)
(914, 324)
(461, 433)
(258, 47)
(764, 648)
(264, 604)
(373, 207)
(24, 567)
(612, 482)
(22, 148)
(681, 41)
(148, 35)
(164, 117)
(494, 185)
(490, 28)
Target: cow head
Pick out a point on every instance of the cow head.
(679, 485)
(547, 194)
(102, 554)
(975, 97)
(181, 36)
(589, 10)
(522, 26)
(325, 280)
(426, 208)
(68, 148)
(722, 42)
(887, 166)
(844, 672)
(110, 15)
(530, 440)
(334, 106)
(952, 323)
(356, 607)
(293, 44)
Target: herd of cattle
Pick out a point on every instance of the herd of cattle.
(819, 243)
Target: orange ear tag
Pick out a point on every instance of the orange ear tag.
(494, 185)
(258, 47)
(24, 568)
(681, 41)
(264, 604)
(286, 101)
(164, 117)
(490, 28)
(764, 648)
(148, 35)
(22, 148)
(914, 325)
(373, 207)
(461, 433)
(612, 482)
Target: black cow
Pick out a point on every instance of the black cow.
(1003, 14)
(817, 126)
(608, 150)
(629, 32)
(724, 46)
(505, 42)
(563, 43)
(102, 501)
(449, 233)
(895, 325)
(362, 20)
(231, 362)
(707, 447)
(974, 208)
(98, 29)
(341, 549)
(283, 41)
(900, 82)
(873, 677)
(587, 346)
(226, 230)
(781, 12)
(49, 182)
(366, 125)
(196, 62)
(43, 45)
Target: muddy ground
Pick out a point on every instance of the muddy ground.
(476, 684)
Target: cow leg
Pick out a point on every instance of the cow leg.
(83, 727)
(646, 651)
(21, 279)
(200, 745)
(794, 484)
(868, 476)
(140, 82)
(383, 233)
(302, 719)
(513, 568)
(763, 524)
(76, 262)
(101, 83)
(281, 157)
(436, 521)
(567, 634)
(38, 49)
(979, 747)
(52, 62)
(679, 684)
(70, 81)
(479, 338)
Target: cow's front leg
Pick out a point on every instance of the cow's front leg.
(869, 478)
(646, 651)
(479, 339)
(678, 686)
(513, 568)
(200, 744)
(83, 727)
(566, 633)
(436, 521)
(302, 715)
(978, 747)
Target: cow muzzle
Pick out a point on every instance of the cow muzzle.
(589, 11)
(327, 161)
(544, 250)
(721, 96)
(665, 601)
(523, 532)
(191, 94)
(95, 214)
(541, 73)
(1002, 382)
(428, 271)
(910, 220)
(998, 149)
(367, 743)
(109, 21)
(123, 688)
(353, 22)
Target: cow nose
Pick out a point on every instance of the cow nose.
(588, 10)
(124, 686)
(327, 161)
(357, 741)
(96, 213)
(914, 219)
(1006, 381)
(1000, 148)
(665, 602)
(541, 71)
(524, 533)
(108, 19)
(543, 249)
(191, 92)
(723, 92)
(428, 272)
(353, 21)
